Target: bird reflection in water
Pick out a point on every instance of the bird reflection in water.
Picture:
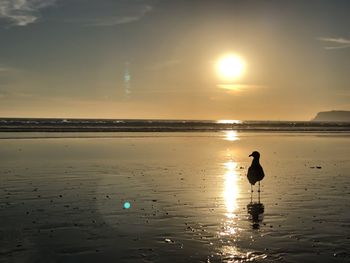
(256, 211)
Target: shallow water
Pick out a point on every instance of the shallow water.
(62, 198)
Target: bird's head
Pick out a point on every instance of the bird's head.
(255, 154)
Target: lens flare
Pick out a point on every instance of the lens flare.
(127, 205)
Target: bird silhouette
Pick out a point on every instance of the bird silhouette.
(255, 171)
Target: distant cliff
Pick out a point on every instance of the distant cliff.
(341, 116)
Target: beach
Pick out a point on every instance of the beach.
(63, 197)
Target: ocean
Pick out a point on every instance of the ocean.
(116, 125)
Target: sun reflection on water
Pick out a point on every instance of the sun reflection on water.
(231, 188)
(230, 233)
(230, 194)
(231, 136)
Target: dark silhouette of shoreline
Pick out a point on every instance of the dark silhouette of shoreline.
(333, 116)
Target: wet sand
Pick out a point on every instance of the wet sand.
(62, 198)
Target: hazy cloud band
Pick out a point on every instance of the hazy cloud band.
(335, 43)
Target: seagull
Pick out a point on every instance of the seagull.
(255, 171)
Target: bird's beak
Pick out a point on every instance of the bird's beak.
(250, 155)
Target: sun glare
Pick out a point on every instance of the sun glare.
(229, 121)
(231, 136)
(231, 188)
(230, 67)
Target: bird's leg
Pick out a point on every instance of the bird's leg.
(251, 193)
(259, 192)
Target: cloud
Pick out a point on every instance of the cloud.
(22, 12)
(4, 69)
(335, 43)
(83, 12)
(131, 16)
(238, 87)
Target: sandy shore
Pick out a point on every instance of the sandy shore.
(62, 198)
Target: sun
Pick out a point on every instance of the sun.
(230, 67)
